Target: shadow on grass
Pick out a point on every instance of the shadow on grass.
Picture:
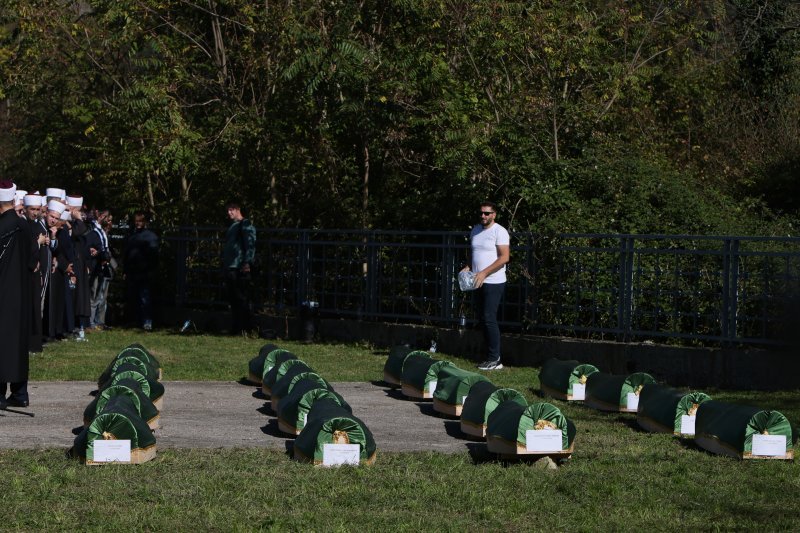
(631, 423)
(479, 453)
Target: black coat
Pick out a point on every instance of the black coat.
(17, 260)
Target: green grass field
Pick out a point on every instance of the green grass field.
(619, 478)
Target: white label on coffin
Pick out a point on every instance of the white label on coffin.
(543, 440)
(579, 391)
(268, 369)
(432, 387)
(340, 454)
(687, 424)
(769, 445)
(305, 419)
(463, 399)
(112, 451)
(633, 401)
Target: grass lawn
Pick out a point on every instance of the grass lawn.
(619, 478)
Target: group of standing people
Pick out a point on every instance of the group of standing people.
(55, 267)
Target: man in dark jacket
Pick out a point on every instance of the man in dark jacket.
(237, 263)
(17, 256)
(140, 260)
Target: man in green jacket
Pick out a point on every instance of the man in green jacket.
(237, 262)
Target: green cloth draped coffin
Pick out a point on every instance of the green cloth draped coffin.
(257, 365)
(278, 371)
(508, 425)
(134, 354)
(117, 421)
(152, 388)
(483, 399)
(662, 408)
(393, 368)
(330, 423)
(285, 385)
(453, 385)
(558, 377)
(293, 410)
(733, 430)
(124, 387)
(420, 374)
(608, 392)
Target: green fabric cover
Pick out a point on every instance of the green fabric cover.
(325, 418)
(561, 375)
(152, 388)
(735, 425)
(419, 371)
(483, 399)
(665, 406)
(137, 350)
(454, 383)
(613, 389)
(124, 387)
(256, 364)
(394, 363)
(511, 420)
(293, 408)
(278, 371)
(144, 367)
(284, 385)
(415, 358)
(118, 418)
(275, 358)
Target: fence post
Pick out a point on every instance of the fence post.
(730, 289)
(371, 304)
(180, 269)
(624, 301)
(449, 270)
(303, 255)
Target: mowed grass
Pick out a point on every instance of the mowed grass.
(619, 478)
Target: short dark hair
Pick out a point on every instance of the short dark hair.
(492, 205)
(234, 204)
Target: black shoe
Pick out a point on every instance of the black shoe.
(3, 404)
(13, 402)
(490, 365)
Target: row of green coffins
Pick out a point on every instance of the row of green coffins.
(500, 415)
(307, 406)
(735, 430)
(127, 407)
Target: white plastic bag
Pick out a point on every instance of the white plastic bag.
(466, 280)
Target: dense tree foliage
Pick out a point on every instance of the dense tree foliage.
(580, 115)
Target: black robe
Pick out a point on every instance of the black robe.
(81, 268)
(54, 302)
(38, 280)
(16, 263)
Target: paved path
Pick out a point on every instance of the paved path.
(203, 414)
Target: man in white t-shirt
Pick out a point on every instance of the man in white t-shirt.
(489, 253)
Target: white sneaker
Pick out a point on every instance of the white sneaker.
(490, 365)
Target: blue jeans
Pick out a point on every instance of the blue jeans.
(489, 297)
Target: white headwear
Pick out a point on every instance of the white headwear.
(53, 192)
(21, 194)
(55, 205)
(32, 200)
(66, 215)
(9, 194)
(44, 201)
(75, 201)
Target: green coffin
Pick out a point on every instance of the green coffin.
(728, 429)
(285, 384)
(330, 423)
(130, 354)
(609, 392)
(393, 368)
(661, 408)
(143, 366)
(124, 387)
(557, 377)
(118, 421)
(483, 399)
(152, 388)
(257, 365)
(452, 385)
(420, 374)
(507, 427)
(277, 371)
(293, 409)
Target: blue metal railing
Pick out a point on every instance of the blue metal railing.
(697, 289)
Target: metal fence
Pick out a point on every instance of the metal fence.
(697, 289)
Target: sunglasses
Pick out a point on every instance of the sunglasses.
(487, 213)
